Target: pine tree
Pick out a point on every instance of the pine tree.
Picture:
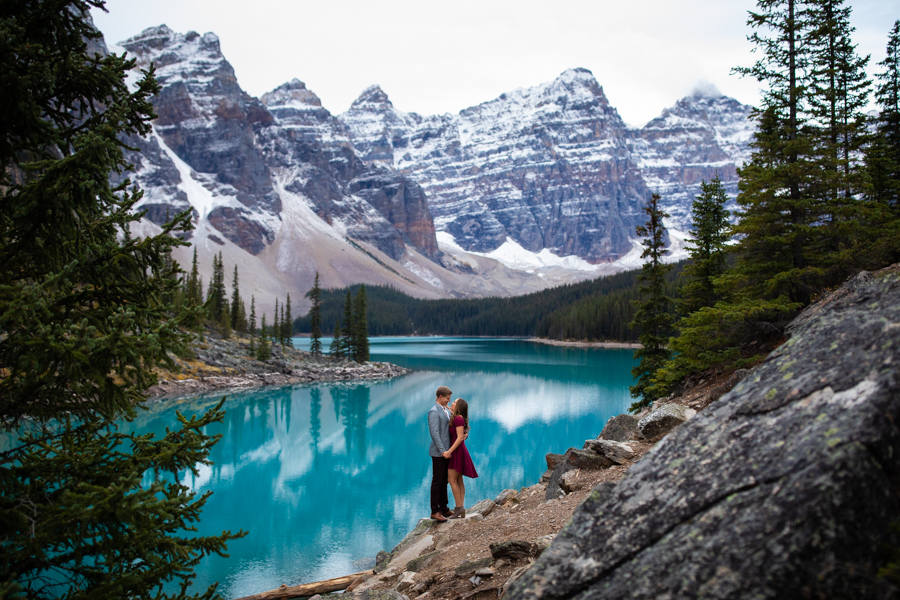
(288, 323)
(652, 316)
(315, 318)
(360, 327)
(708, 249)
(336, 349)
(264, 349)
(237, 321)
(348, 327)
(194, 288)
(883, 153)
(88, 510)
(838, 91)
(252, 325)
(777, 187)
(276, 326)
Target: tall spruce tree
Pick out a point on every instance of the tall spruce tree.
(336, 349)
(348, 325)
(237, 318)
(778, 192)
(216, 297)
(194, 289)
(360, 327)
(652, 316)
(264, 348)
(883, 154)
(288, 323)
(838, 90)
(88, 510)
(708, 248)
(276, 326)
(315, 317)
(252, 325)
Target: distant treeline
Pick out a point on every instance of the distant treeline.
(599, 309)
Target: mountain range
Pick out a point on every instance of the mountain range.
(539, 187)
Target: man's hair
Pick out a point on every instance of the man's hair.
(444, 391)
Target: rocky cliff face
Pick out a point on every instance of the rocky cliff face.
(540, 186)
(553, 166)
(238, 162)
(546, 167)
(783, 488)
(697, 139)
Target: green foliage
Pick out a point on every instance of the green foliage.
(315, 317)
(216, 297)
(707, 338)
(193, 291)
(597, 309)
(287, 323)
(653, 315)
(883, 153)
(336, 350)
(360, 336)
(349, 328)
(276, 326)
(86, 313)
(708, 247)
(238, 316)
(263, 349)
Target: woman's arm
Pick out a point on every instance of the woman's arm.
(459, 439)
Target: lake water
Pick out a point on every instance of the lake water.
(324, 476)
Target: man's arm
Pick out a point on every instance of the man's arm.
(434, 428)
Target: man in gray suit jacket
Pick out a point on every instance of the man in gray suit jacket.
(439, 428)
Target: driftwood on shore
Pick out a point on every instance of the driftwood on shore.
(308, 589)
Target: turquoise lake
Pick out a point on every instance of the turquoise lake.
(324, 476)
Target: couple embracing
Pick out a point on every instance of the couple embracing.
(448, 425)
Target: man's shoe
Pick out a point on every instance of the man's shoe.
(439, 518)
(447, 512)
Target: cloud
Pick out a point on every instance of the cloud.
(706, 89)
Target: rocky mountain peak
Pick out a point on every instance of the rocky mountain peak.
(577, 85)
(164, 47)
(372, 98)
(293, 94)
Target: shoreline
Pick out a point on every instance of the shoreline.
(612, 345)
(215, 365)
(167, 389)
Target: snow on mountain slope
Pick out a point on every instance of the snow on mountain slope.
(700, 137)
(553, 167)
(538, 187)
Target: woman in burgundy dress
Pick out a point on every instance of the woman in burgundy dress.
(460, 461)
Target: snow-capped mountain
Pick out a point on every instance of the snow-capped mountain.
(700, 137)
(545, 167)
(541, 186)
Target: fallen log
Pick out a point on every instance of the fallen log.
(308, 589)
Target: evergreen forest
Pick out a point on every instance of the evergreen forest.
(599, 309)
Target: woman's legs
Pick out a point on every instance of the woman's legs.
(455, 480)
(461, 484)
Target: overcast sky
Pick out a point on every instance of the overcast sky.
(434, 56)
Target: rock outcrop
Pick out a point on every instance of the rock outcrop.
(783, 488)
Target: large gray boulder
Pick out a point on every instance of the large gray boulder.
(784, 488)
(663, 420)
(621, 428)
(617, 452)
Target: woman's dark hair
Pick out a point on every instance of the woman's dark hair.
(461, 408)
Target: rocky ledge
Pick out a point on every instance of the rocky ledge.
(217, 365)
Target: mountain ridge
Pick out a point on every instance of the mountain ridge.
(540, 186)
